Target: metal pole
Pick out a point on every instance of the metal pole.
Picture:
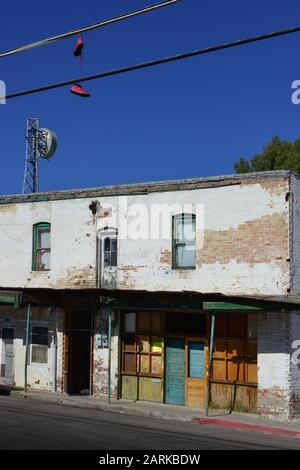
(27, 348)
(212, 334)
(109, 352)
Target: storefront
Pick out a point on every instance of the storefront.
(165, 355)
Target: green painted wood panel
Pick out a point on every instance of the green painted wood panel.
(175, 371)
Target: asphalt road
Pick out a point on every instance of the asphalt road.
(31, 424)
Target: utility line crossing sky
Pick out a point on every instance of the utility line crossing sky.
(190, 118)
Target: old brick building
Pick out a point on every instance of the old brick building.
(118, 289)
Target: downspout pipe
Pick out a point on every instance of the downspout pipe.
(27, 348)
(211, 345)
(54, 356)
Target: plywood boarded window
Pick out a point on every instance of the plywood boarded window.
(143, 347)
(235, 348)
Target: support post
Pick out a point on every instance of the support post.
(212, 334)
(109, 352)
(27, 348)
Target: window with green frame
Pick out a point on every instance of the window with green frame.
(184, 241)
(41, 247)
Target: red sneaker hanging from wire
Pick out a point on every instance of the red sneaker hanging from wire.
(76, 88)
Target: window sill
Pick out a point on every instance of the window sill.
(188, 268)
(33, 271)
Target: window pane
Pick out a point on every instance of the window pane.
(113, 242)
(107, 258)
(184, 241)
(189, 229)
(185, 228)
(129, 342)
(143, 344)
(129, 362)
(40, 335)
(43, 259)
(186, 256)
(179, 230)
(130, 322)
(156, 365)
(43, 238)
(145, 364)
(106, 244)
(113, 258)
(39, 354)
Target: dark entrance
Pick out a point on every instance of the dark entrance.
(7, 370)
(79, 352)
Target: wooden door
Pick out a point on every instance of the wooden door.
(175, 371)
(196, 353)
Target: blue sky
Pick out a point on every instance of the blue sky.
(191, 118)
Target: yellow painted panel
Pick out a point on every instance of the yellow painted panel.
(150, 389)
(129, 387)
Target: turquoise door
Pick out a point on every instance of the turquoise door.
(175, 372)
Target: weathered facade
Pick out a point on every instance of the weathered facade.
(127, 278)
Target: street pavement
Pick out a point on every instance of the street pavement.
(35, 425)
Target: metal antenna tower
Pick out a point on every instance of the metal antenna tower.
(40, 143)
(31, 176)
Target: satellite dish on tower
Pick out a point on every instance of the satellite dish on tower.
(46, 143)
(40, 143)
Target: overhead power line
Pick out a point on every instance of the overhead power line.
(100, 24)
(163, 60)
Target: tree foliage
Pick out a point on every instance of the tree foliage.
(276, 155)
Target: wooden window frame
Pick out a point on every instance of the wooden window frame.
(137, 353)
(36, 249)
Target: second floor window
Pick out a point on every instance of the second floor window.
(41, 247)
(110, 251)
(184, 240)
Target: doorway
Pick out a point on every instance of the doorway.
(185, 381)
(7, 361)
(78, 352)
(175, 371)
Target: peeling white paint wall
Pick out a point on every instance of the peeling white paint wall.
(278, 375)
(100, 373)
(145, 263)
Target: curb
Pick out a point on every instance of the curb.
(249, 427)
(113, 408)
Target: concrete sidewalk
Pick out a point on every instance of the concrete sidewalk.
(223, 418)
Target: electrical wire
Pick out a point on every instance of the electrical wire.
(101, 24)
(153, 63)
